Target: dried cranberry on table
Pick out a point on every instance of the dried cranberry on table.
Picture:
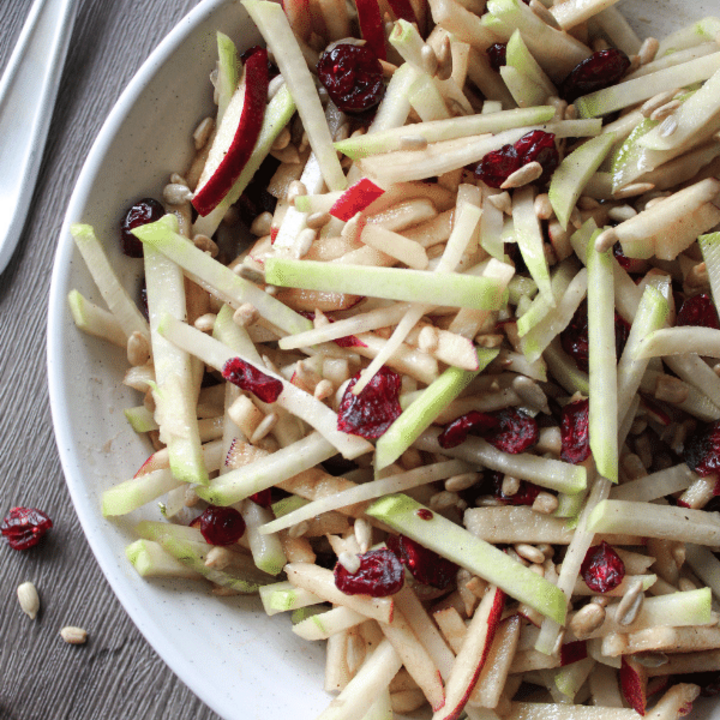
(247, 377)
(425, 565)
(24, 527)
(602, 69)
(574, 432)
(353, 77)
(380, 574)
(142, 212)
(371, 412)
(602, 569)
(496, 54)
(221, 525)
(699, 311)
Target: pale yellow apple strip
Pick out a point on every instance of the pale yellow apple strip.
(415, 658)
(490, 684)
(321, 582)
(469, 660)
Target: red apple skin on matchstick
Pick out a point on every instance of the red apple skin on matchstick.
(236, 136)
(355, 199)
(371, 26)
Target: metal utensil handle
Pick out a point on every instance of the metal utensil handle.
(28, 89)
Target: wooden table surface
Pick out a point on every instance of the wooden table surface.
(116, 674)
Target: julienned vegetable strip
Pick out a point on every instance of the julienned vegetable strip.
(218, 279)
(423, 411)
(603, 424)
(389, 283)
(278, 34)
(456, 544)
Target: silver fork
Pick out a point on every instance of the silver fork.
(28, 89)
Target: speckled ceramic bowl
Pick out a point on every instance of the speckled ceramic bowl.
(243, 664)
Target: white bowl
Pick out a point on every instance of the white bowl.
(241, 663)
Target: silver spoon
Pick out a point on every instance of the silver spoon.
(28, 89)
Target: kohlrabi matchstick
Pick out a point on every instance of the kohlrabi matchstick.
(603, 416)
(630, 92)
(389, 140)
(658, 521)
(283, 596)
(177, 380)
(132, 494)
(423, 411)
(529, 239)
(266, 471)
(150, 560)
(401, 284)
(574, 172)
(118, 301)
(95, 320)
(218, 278)
(371, 490)
(453, 542)
(273, 24)
(177, 542)
(546, 472)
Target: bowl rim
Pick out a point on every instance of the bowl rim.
(92, 164)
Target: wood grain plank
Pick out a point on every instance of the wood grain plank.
(116, 674)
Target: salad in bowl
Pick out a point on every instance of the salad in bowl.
(406, 349)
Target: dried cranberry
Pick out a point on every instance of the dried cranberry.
(600, 70)
(700, 311)
(574, 432)
(221, 525)
(371, 412)
(702, 449)
(353, 77)
(425, 565)
(602, 569)
(380, 574)
(574, 339)
(496, 54)
(457, 431)
(247, 377)
(142, 212)
(539, 146)
(536, 146)
(23, 527)
(525, 495)
(263, 498)
(515, 432)
(497, 166)
(573, 651)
